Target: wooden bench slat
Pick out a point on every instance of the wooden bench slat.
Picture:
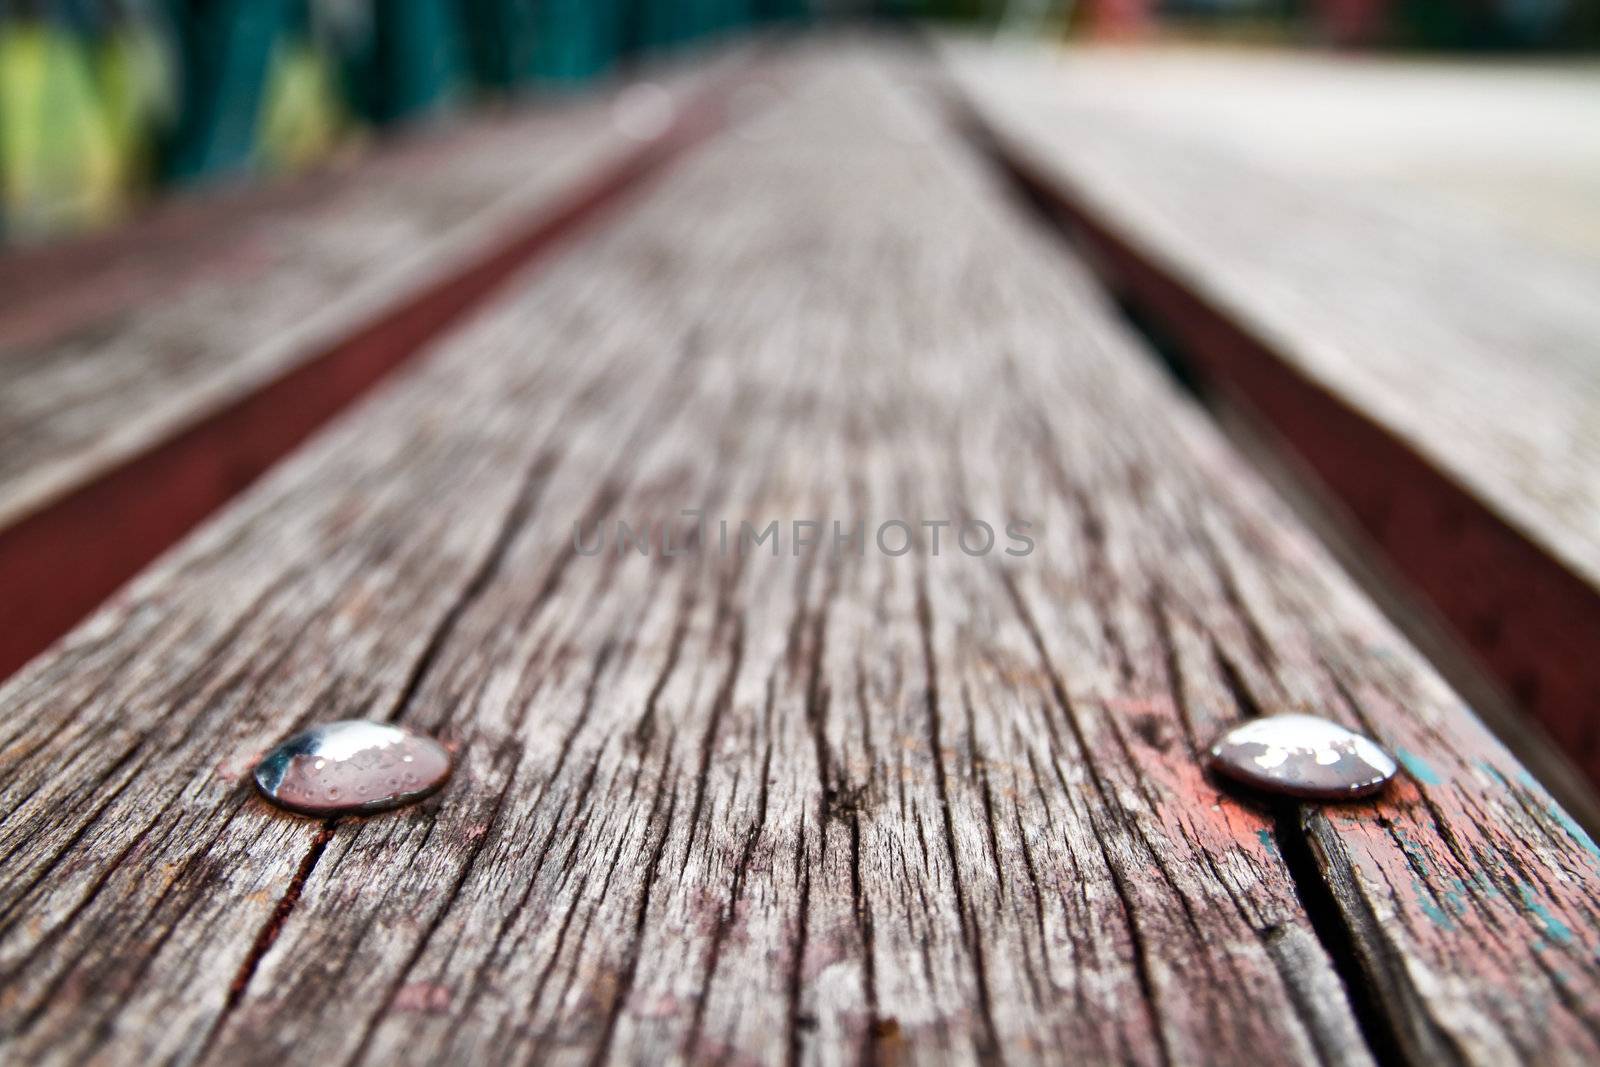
(280, 284)
(123, 424)
(1396, 265)
(771, 807)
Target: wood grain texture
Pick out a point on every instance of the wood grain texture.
(100, 361)
(1363, 212)
(1394, 264)
(133, 481)
(794, 807)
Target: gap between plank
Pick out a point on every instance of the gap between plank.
(1341, 473)
(1328, 517)
(1042, 196)
(1338, 942)
(109, 529)
(1439, 546)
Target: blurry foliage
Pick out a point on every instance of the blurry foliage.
(101, 101)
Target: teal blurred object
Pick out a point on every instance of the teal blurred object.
(517, 44)
(183, 91)
(500, 42)
(574, 40)
(419, 58)
(1504, 24)
(398, 59)
(257, 87)
(225, 47)
(781, 10)
(666, 24)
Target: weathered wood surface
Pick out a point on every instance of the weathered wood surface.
(1396, 264)
(817, 807)
(96, 368)
(156, 388)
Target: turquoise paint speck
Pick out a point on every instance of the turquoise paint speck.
(1440, 917)
(1434, 912)
(1414, 855)
(1415, 767)
(1573, 830)
(1267, 842)
(1554, 928)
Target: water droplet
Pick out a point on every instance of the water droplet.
(337, 768)
(1301, 756)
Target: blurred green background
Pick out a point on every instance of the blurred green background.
(104, 102)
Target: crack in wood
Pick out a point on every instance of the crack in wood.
(269, 931)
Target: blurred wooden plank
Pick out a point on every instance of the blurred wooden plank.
(1396, 265)
(802, 806)
(136, 401)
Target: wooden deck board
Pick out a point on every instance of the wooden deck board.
(768, 808)
(1394, 264)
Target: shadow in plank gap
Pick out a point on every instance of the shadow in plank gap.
(1512, 598)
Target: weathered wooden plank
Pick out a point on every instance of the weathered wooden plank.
(47, 290)
(818, 806)
(146, 414)
(241, 313)
(1395, 265)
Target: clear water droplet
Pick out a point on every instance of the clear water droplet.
(347, 767)
(1301, 756)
